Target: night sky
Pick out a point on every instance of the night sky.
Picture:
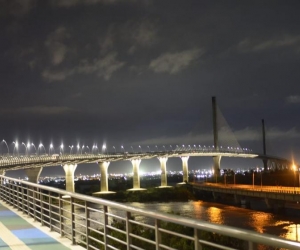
(143, 73)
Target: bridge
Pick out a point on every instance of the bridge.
(33, 164)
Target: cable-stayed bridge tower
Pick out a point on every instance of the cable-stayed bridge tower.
(216, 159)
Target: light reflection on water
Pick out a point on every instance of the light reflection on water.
(262, 222)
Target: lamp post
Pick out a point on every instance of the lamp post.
(253, 179)
(233, 177)
(28, 148)
(41, 146)
(71, 147)
(114, 149)
(78, 148)
(122, 147)
(6, 146)
(16, 146)
(50, 147)
(104, 148)
(25, 147)
(34, 148)
(62, 149)
(140, 148)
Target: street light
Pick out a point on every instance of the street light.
(123, 149)
(34, 147)
(6, 146)
(71, 147)
(62, 149)
(253, 179)
(41, 146)
(114, 149)
(50, 147)
(104, 148)
(82, 149)
(16, 146)
(140, 148)
(25, 147)
(78, 148)
(28, 148)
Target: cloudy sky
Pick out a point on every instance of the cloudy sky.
(142, 72)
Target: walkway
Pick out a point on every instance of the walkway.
(21, 233)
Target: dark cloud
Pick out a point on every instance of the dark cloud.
(143, 72)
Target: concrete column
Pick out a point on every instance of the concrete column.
(104, 180)
(217, 164)
(185, 168)
(136, 175)
(163, 169)
(69, 171)
(33, 174)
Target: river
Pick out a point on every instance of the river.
(284, 226)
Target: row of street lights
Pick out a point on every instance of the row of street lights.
(94, 148)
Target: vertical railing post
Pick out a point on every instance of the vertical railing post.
(42, 207)
(87, 225)
(50, 210)
(197, 245)
(61, 220)
(157, 234)
(23, 200)
(73, 234)
(34, 202)
(250, 245)
(105, 211)
(128, 230)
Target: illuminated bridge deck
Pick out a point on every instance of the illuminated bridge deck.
(21, 233)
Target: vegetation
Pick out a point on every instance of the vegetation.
(167, 239)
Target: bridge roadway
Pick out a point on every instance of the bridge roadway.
(273, 195)
(33, 164)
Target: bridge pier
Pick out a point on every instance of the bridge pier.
(33, 174)
(217, 164)
(163, 169)
(104, 179)
(185, 169)
(136, 175)
(277, 205)
(69, 171)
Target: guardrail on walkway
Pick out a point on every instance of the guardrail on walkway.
(101, 224)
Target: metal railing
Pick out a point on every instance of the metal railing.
(97, 223)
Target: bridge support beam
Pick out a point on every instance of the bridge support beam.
(69, 171)
(136, 175)
(185, 168)
(163, 169)
(33, 174)
(217, 164)
(104, 179)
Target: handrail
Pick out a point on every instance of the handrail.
(52, 206)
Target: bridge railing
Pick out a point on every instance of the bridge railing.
(101, 224)
(19, 159)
